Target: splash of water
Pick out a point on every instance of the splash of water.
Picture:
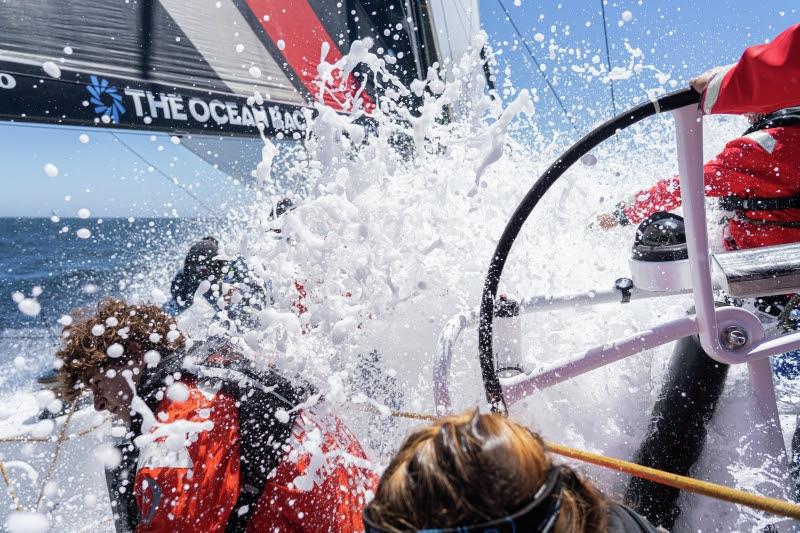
(388, 247)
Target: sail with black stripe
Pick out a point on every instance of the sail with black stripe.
(212, 67)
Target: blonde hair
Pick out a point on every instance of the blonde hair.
(473, 468)
(85, 342)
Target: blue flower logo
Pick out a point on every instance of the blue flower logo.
(101, 94)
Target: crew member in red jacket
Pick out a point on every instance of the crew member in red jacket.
(757, 177)
(762, 163)
(217, 446)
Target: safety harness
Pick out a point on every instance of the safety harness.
(735, 203)
(779, 119)
(263, 431)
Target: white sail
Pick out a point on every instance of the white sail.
(455, 22)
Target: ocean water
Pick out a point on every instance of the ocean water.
(123, 258)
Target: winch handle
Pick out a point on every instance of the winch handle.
(668, 102)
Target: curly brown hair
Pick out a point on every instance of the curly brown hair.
(473, 468)
(83, 351)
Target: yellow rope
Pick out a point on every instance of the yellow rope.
(61, 438)
(415, 416)
(11, 490)
(688, 484)
(713, 490)
(77, 435)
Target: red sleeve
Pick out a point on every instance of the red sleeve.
(322, 485)
(734, 171)
(188, 477)
(766, 78)
(663, 196)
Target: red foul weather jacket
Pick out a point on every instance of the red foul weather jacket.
(766, 78)
(762, 164)
(188, 479)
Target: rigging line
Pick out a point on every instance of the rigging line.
(181, 187)
(468, 11)
(64, 127)
(83, 129)
(11, 491)
(72, 127)
(538, 66)
(467, 35)
(447, 31)
(413, 37)
(608, 57)
(459, 9)
(62, 436)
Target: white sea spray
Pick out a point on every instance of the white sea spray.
(27, 522)
(388, 245)
(52, 70)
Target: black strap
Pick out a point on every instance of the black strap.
(735, 203)
(740, 216)
(779, 119)
(123, 502)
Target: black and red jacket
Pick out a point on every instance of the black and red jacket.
(763, 164)
(240, 451)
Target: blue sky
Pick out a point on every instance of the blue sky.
(105, 176)
(678, 38)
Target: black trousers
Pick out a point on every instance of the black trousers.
(677, 430)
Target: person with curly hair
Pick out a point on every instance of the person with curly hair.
(105, 351)
(217, 443)
(485, 473)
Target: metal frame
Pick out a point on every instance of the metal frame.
(710, 323)
(457, 324)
